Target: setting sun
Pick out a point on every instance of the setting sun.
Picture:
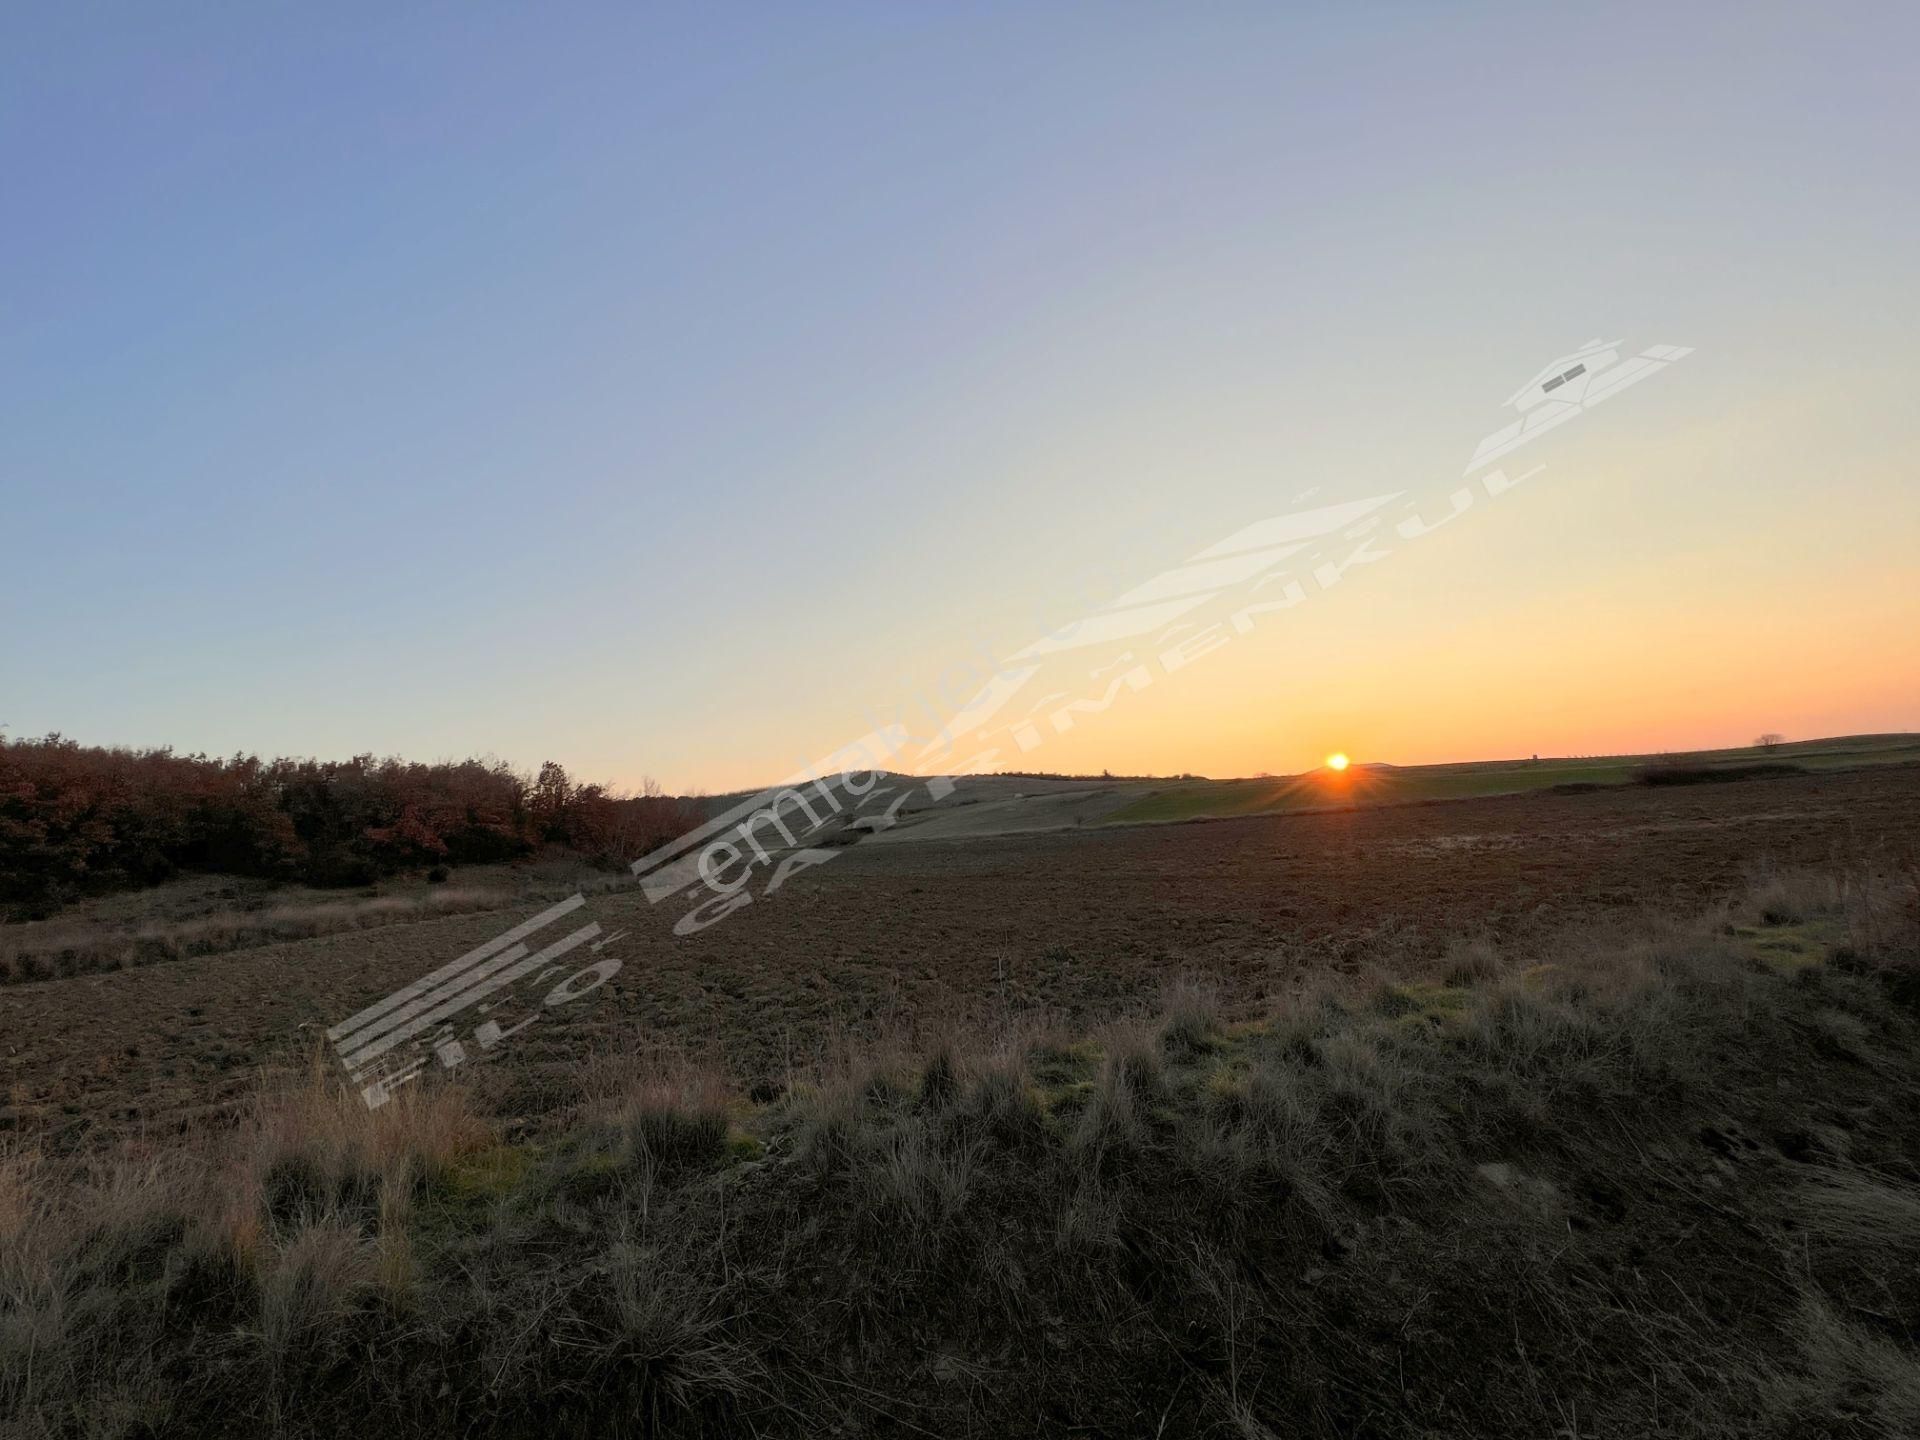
(1337, 761)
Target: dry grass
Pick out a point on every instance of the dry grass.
(1633, 1186)
(73, 947)
(208, 917)
(1852, 1379)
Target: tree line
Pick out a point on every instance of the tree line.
(78, 819)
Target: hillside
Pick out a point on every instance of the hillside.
(1004, 805)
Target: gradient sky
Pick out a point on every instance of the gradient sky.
(660, 389)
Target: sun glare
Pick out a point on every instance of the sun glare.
(1337, 761)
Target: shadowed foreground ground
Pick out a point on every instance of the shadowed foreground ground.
(1647, 1178)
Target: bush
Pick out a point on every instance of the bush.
(1676, 773)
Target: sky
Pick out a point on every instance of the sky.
(669, 390)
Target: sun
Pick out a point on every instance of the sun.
(1338, 760)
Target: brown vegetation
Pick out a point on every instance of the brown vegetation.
(83, 820)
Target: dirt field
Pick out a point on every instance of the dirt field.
(1078, 923)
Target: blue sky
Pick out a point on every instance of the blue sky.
(653, 389)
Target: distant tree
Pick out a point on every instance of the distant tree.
(548, 800)
(1769, 740)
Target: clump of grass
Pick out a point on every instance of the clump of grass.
(644, 1123)
(1471, 962)
(670, 1123)
(1117, 1118)
(1190, 1018)
(319, 1150)
(1784, 897)
(664, 1339)
(310, 1290)
(1871, 1214)
(1848, 1379)
(939, 1080)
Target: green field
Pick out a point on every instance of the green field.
(1394, 784)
